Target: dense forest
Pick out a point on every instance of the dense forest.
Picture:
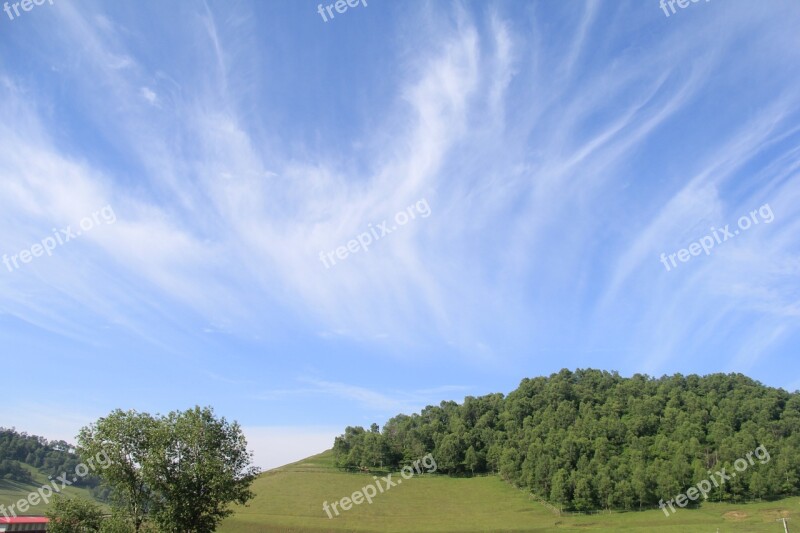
(52, 458)
(591, 439)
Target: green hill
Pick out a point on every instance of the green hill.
(13, 491)
(29, 462)
(289, 499)
(592, 439)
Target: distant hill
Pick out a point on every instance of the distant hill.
(592, 439)
(28, 462)
(13, 491)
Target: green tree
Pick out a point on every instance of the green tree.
(69, 515)
(471, 459)
(448, 453)
(583, 498)
(757, 485)
(509, 465)
(126, 437)
(559, 493)
(605, 488)
(179, 471)
(198, 465)
(640, 483)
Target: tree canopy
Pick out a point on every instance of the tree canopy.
(178, 472)
(68, 515)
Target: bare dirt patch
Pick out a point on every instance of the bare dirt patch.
(735, 515)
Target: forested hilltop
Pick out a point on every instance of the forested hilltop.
(51, 457)
(591, 439)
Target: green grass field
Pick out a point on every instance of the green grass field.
(289, 499)
(11, 492)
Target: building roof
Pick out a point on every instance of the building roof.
(24, 520)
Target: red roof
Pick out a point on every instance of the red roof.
(24, 520)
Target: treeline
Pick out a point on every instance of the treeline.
(591, 439)
(52, 458)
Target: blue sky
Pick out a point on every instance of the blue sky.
(561, 148)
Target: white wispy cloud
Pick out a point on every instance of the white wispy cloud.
(514, 141)
(392, 401)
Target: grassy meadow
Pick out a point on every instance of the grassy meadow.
(12, 491)
(289, 499)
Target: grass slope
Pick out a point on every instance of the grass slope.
(11, 492)
(289, 499)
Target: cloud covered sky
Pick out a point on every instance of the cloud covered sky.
(561, 148)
